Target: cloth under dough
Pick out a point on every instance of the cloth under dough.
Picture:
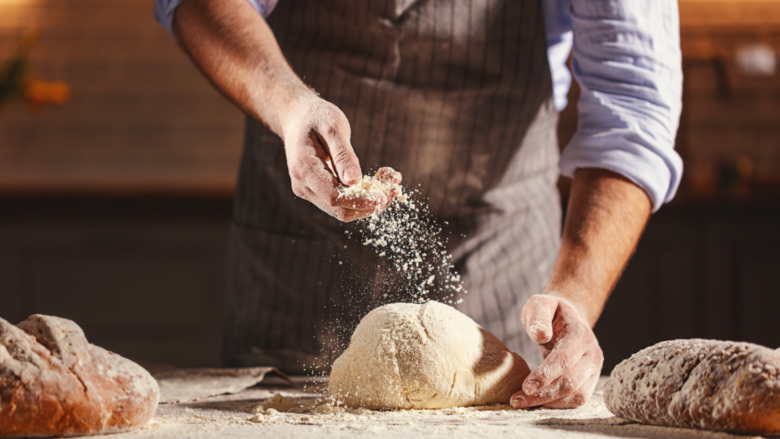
(424, 356)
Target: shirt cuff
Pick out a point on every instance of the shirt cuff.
(164, 10)
(629, 153)
(626, 58)
(163, 13)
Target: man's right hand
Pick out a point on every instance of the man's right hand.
(236, 50)
(321, 160)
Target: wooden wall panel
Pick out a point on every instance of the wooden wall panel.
(141, 117)
(731, 116)
(709, 13)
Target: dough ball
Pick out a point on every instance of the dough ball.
(424, 356)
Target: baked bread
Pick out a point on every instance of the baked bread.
(706, 384)
(55, 383)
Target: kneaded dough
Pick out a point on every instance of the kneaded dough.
(424, 356)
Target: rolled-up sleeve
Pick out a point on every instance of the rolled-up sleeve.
(164, 10)
(626, 58)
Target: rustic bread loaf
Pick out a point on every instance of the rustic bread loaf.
(54, 383)
(707, 384)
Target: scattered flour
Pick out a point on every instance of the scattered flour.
(304, 413)
(327, 412)
(330, 418)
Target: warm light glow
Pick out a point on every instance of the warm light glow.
(19, 13)
(747, 14)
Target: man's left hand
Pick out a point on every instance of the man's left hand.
(572, 357)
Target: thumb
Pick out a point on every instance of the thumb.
(343, 157)
(538, 314)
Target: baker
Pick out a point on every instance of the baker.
(462, 98)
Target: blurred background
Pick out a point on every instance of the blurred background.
(118, 160)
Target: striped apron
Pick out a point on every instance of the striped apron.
(454, 94)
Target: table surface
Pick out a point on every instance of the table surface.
(240, 415)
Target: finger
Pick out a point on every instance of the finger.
(568, 402)
(394, 193)
(314, 173)
(314, 180)
(328, 193)
(349, 215)
(564, 385)
(369, 203)
(388, 174)
(377, 200)
(340, 213)
(343, 157)
(565, 355)
(577, 398)
(537, 316)
(302, 191)
(344, 215)
(324, 191)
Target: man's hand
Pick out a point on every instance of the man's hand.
(236, 50)
(321, 161)
(570, 371)
(605, 218)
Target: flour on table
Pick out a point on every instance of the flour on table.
(324, 411)
(260, 413)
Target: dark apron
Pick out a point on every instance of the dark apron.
(457, 96)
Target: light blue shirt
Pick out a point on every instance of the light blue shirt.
(626, 58)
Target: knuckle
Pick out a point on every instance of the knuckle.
(567, 386)
(542, 303)
(298, 191)
(330, 114)
(296, 174)
(563, 361)
(336, 114)
(599, 354)
(332, 130)
(578, 331)
(342, 157)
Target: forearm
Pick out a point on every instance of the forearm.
(236, 50)
(605, 218)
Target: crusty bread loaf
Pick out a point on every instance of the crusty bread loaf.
(707, 384)
(54, 383)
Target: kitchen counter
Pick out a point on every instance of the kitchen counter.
(239, 416)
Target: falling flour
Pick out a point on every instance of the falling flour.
(408, 236)
(410, 263)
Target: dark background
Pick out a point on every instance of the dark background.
(114, 208)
